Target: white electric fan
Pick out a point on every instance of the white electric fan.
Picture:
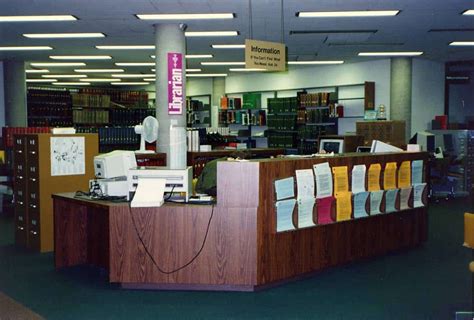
(148, 131)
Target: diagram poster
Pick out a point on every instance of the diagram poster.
(67, 156)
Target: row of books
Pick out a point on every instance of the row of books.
(48, 97)
(196, 105)
(276, 105)
(50, 122)
(313, 116)
(243, 117)
(308, 132)
(231, 103)
(88, 116)
(281, 140)
(315, 99)
(90, 100)
(113, 135)
(49, 111)
(135, 98)
(282, 122)
(305, 147)
(129, 117)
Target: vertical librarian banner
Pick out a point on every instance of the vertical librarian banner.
(175, 83)
(266, 55)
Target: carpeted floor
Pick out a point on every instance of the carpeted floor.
(12, 310)
(429, 282)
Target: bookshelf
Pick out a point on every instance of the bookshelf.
(198, 111)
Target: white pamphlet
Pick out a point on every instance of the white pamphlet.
(323, 176)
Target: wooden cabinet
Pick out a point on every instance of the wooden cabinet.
(34, 184)
(392, 132)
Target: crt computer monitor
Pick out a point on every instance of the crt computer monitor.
(331, 145)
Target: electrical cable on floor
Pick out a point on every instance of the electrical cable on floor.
(153, 259)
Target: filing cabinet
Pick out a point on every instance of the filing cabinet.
(35, 180)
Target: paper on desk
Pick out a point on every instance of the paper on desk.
(418, 195)
(404, 198)
(323, 176)
(390, 200)
(374, 177)
(284, 209)
(324, 208)
(305, 183)
(416, 172)
(284, 188)
(149, 193)
(360, 199)
(343, 206)
(375, 201)
(389, 176)
(358, 178)
(404, 175)
(305, 212)
(341, 180)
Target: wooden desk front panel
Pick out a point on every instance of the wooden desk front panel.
(174, 235)
(289, 254)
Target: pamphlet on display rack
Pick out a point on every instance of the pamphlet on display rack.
(305, 196)
(305, 212)
(341, 180)
(416, 172)
(405, 198)
(324, 209)
(284, 211)
(343, 206)
(374, 177)
(323, 178)
(284, 188)
(418, 190)
(360, 201)
(404, 175)
(358, 178)
(376, 201)
(390, 176)
(390, 200)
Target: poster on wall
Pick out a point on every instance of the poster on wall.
(67, 156)
(175, 83)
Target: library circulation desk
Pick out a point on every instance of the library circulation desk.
(242, 250)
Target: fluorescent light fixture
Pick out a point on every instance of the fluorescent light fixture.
(457, 78)
(99, 80)
(64, 76)
(391, 54)
(150, 79)
(137, 75)
(41, 80)
(25, 48)
(37, 71)
(469, 12)
(135, 64)
(126, 47)
(71, 83)
(217, 63)
(141, 83)
(211, 33)
(57, 64)
(193, 70)
(199, 56)
(98, 70)
(245, 70)
(196, 75)
(185, 16)
(462, 43)
(63, 35)
(341, 14)
(80, 57)
(37, 18)
(316, 62)
(228, 46)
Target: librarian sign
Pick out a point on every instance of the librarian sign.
(265, 55)
(175, 83)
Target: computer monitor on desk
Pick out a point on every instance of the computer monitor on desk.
(331, 145)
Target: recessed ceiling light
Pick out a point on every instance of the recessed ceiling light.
(391, 54)
(37, 71)
(150, 79)
(71, 83)
(57, 64)
(217, 63)
(462, 43)
(98, 70)
(317, 62)
(185, 16)
(64, 76)
(80, 57)
(340, 14)
(137, 75)
(196, 75)
(63, 35)
(99, 80)
(25, 48)
(228, 46)
(469, 12)
(199, 56)
(130, 83)
(245, 69)
(134, 64)
(41, 80)
(211, 33)
(37, 18)
(126, 47)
